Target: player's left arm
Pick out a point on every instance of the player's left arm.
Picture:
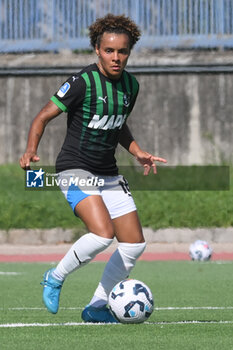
(146, 159)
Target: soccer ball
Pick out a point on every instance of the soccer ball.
(200, 251)
(131, 301)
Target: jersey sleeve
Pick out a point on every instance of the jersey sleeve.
(71, 93)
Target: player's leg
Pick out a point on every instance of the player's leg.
(128, 228)
(94, 214)
(128, 231)
(131, 245)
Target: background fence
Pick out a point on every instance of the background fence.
(50, 25)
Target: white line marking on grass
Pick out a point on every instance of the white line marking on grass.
(21, 325)
(194, 308)
(168, 308)
(220, 262)
(188, 322)
(39, 308)
(10, 273)
(77, 324)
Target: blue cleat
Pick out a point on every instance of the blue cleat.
(51, 291)
(98, 314)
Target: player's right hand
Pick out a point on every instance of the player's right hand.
(27, 158)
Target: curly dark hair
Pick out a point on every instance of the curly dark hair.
(114, 24)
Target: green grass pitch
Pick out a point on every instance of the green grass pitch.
(193, 309)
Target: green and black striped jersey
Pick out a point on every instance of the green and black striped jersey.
(97, 108)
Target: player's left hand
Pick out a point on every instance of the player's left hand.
(148, 161)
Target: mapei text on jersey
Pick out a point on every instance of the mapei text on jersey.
(106, 122)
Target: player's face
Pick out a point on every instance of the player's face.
(113, 54)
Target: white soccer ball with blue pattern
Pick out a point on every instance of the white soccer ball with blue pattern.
(131, 301)
(200, 251)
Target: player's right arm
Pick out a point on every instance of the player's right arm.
(47, 113)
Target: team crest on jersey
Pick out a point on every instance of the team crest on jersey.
(63, 89)
(126, 99)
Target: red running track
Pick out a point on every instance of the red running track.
(104, 257)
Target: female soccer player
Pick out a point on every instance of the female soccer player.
(98, 101)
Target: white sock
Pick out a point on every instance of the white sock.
(97, 302)
(118, 268)
(81, 252)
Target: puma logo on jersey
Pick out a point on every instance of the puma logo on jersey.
(74, 78)
(103, 98)
(106, 122)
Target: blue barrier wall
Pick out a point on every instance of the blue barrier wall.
(50, 25)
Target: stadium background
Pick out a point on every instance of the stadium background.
(184, 65)
(183, 62)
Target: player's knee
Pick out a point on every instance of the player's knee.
(104, 230)
(132, 250)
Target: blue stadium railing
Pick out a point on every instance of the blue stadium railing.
(50, 25)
